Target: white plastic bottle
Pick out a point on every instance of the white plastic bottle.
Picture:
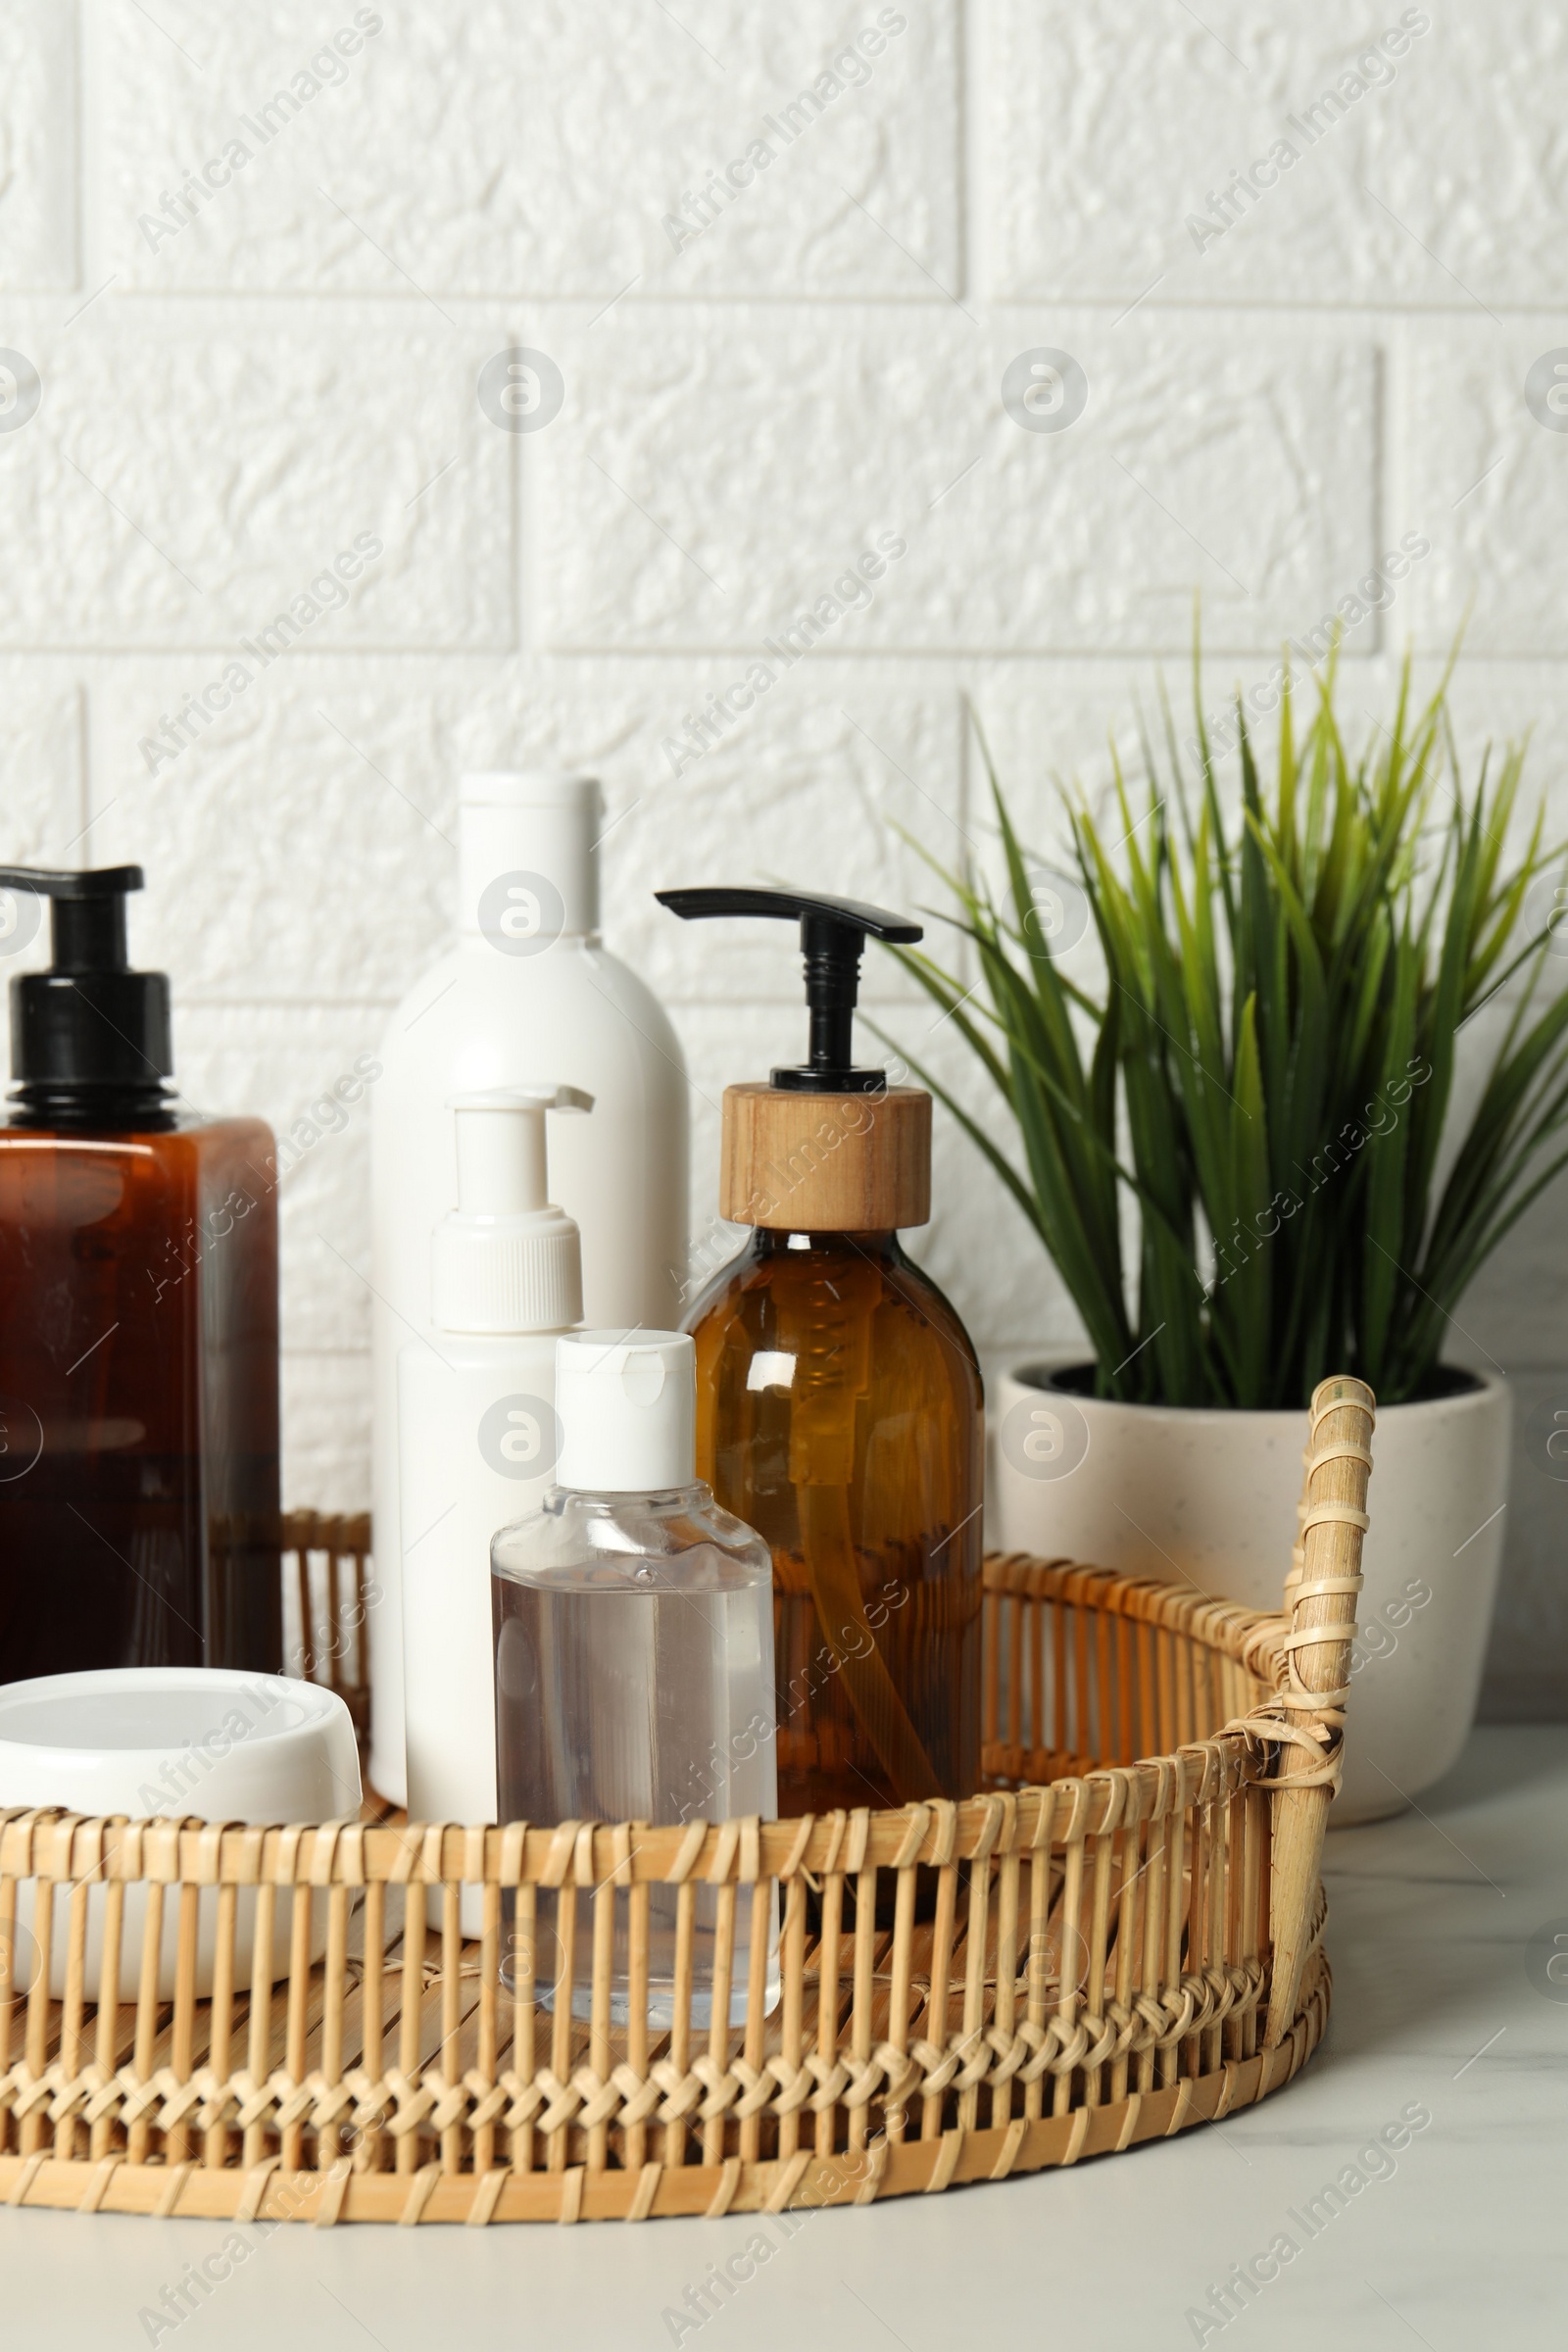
(634, 1660)
(529, 996)
(477, 1435)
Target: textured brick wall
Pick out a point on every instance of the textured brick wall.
(752, 394)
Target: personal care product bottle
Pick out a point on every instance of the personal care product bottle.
(839, 1400)
(476, 1434)
(138, 1325)
(529, 996)
(634, 1658)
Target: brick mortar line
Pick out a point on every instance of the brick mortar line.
(1055, 299)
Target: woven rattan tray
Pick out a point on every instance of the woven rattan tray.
(1117, 1939)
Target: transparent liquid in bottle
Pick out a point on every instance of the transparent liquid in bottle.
(634, 1682)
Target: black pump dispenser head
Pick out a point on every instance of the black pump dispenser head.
(89, 1037)
(833, 932)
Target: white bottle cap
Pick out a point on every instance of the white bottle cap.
(505, 1260)
(528, 870)
(627, 1405)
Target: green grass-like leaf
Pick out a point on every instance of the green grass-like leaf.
(1268, 1075)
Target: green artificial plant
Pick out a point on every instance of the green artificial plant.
(1267, 1067)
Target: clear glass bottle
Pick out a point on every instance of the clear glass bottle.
(634, 1655)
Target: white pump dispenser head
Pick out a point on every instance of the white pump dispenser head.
(505, 1260)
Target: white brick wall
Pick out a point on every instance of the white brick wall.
(227, 404)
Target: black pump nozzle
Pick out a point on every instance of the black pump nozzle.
(87, 911)
(89, 1033)
(833, 932)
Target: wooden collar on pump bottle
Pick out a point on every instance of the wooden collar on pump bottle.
(826, 1163)
(827, 1148)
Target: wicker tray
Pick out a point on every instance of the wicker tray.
(1118, 1939)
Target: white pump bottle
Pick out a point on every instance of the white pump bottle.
(477, 1435)
(529, 996)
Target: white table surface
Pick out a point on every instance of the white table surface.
(1464, 2245)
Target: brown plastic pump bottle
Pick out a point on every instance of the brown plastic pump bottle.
(839, 1400)
(138, 1324)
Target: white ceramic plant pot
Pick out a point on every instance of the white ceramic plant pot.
(1208, 1498)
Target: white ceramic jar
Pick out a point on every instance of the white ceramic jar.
(178, 1743)
(1208, 1498)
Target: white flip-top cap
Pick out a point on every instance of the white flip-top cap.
(506, 1259)
(528, 870)
(627, 1406)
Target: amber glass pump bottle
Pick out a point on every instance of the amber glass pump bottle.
(839, 1400)
(138, 1323)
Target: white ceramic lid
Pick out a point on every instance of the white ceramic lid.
(178, 1740)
